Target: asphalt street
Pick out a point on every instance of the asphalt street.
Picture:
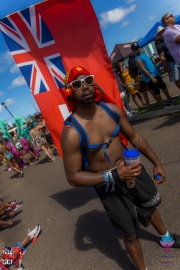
(76, 233)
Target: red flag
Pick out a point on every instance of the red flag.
(48, 39)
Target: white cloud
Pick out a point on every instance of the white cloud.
(152, 18)
(130, 1)
(6, 61)
(8, 102)
(125, 23)
(1, 93)
(19, 81)
(115, 15)
(14, 69)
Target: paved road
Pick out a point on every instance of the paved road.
(76, 233)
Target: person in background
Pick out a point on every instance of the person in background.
(151, 76)
(136, 75)
(129, 84)
(172, 36)
(167, 60)
(123, 93)
(14, 255)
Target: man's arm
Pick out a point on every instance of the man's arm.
(165, 64)
(140, 64)
(138, 141)
(177, 39)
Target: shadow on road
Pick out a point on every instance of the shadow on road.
(94, 231)
(74, 197)
(171, 120)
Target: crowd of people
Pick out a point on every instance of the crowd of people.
(93, 151)
(141, 76)
(17, 147)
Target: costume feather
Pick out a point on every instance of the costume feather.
(18, 119)
(4, 129)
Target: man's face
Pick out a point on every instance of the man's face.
(137, 51)
(85, 94)
(169, 19)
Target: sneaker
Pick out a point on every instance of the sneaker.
(18, 205)
(172, 99)
(167, 106)
(9, 169)
(21, 174)
(34, 233)
(129, 115)
(133, 111)
(170, 241)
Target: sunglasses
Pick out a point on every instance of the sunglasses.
(77, 84)
(169, 16)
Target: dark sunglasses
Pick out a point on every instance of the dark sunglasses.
(77, 84)
(169, 16)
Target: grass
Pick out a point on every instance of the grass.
(154, 107)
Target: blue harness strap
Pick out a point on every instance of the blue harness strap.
(84, 142)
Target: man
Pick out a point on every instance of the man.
(166, 58)
(104, 163)
(172, 36)
(151, 76)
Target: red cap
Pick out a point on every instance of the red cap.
(71, 76)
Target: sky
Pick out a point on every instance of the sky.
(120, 22)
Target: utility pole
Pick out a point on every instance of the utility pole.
(3, 104)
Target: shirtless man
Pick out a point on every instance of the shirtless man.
(36, 135)
(11, 159)
(106, 170)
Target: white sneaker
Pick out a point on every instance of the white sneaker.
(34, 233)
(128, 114)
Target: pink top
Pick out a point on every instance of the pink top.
(170, 35)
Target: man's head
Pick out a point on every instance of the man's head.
(136, 48)
(160, 32)
(168, 19)
(79, 85)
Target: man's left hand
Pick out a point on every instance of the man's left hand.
(159, 170)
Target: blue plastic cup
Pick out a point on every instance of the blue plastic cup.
(131, 156)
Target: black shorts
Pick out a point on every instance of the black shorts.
(155, 86)
(49, 138)
(119, 205)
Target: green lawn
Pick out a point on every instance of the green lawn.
(154, 107)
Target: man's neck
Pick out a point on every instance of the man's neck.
(85, 110)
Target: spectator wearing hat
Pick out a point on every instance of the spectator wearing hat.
(166, 58)
(151, 76)
(172, 36)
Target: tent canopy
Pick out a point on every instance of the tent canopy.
(150, 36)
(120, 52)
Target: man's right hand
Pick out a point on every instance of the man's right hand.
(129, 172)
(154, 80)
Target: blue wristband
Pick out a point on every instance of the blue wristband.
(105, 179)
